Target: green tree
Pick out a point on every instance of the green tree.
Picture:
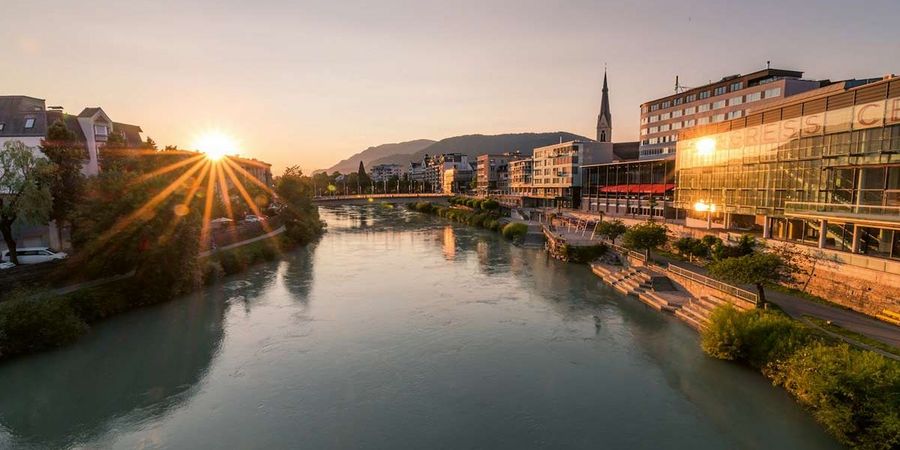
(24, 190)
(756, 269)
(300, 215)
(612, 229)
(691, 247)
(67, 184)
(646, 236)
(150, 143)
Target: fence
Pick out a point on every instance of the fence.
(734, 291)
(624, 251)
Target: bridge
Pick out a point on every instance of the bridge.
(362, 199)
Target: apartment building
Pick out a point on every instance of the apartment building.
(520, 171)
(492, 174)
(382, 172)
(730, 98)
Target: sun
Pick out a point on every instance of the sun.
(216, 145)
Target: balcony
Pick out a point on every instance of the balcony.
(875, 215)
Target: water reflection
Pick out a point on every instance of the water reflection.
(127, 365)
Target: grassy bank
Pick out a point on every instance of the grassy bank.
(36, 320)
(854, 393)
(479, 213)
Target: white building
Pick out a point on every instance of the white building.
(384, 172)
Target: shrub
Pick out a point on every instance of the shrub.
(490, 205)
(425, 207)
(515, 231)
(761, 338)
(98, 303)
(583, 254)
(30, 324)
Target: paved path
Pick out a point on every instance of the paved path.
(797, 307)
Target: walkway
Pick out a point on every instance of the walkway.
(797, 307)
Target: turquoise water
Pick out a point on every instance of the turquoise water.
(397, 330)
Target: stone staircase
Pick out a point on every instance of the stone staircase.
(636, 282)
(696, 312)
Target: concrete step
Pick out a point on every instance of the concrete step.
(693, 315)
(690, 320)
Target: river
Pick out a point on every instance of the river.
(397, 330)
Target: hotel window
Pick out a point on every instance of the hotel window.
(666, 104)
(690, 123)
(721, 90)
(718, 104)
(704, 94)
(770, 93)
(29, 123)
(678, 101)
(703, 121)
(664, 127)
(690, 98)
(735, 100)
(676, 125)
(736, 86)
(754, 97)
(735, 114)
(703, 108)
(718, 118)
(654, 140)
(654, 107)
(654, 119)
(654, 130)
(665, 116)
(676, 113)
(643, 110)
(690, 110)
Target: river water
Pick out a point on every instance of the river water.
(397, 330)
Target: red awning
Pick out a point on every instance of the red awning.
(638, 188)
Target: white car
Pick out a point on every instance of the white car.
(254, 218)
(35, 255)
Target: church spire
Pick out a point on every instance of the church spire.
(604, 119)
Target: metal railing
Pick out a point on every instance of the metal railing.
(627, 252)
(364, 196)
(844, 208)
(735, 291)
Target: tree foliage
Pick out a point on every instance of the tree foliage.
(24, 189)
(611, 229)
(646, 236)
(67, 183)
(300, 215)
(756, 269)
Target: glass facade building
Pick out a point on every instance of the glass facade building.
(642, 188)
(821, 168)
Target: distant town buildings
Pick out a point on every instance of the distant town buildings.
(492, 174)
(383, 172)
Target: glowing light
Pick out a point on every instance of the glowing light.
(706, 146)
(216, 145)
(702, 206)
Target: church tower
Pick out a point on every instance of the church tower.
(604, 119)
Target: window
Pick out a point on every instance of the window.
(735, 100)
(678, 101)
(736, 86)
(676, 113)
(704, 94)
(718, 118)
(676, 125)
(654, 130)
(690, 98)
(735, 114)
(100, 130)
(654, 107)
(690, 110)
(703, 108)
(690, 123)
(664, 127)
(703, 121)
(754, 97)
(654, 119)
(771, 93)
(718, 104)
(1, 126)
(665, 116)
(721, 90)
(29, 123)
(666, 104)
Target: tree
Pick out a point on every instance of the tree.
(300, 215)
(756, 269)
(24, 190)
(150, 143)
(691, 247)
(646, 236)
(612, 229)
(67, 183)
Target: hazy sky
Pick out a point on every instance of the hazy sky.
(311, 82)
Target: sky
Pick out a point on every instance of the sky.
(309, 83)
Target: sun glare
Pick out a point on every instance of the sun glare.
(216, 145)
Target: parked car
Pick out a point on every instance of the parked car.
(6, 265)
(254, 218)
(34, 255)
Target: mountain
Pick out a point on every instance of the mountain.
(370, 154)
(478, 144)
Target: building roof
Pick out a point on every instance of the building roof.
(604, 101)
(750, 78)
(89, 112)
(16, 109)
(131, 133)
(70, 121)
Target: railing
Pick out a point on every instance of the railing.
(365, 196)
(627, 252)
(735, 291)
(845, 208)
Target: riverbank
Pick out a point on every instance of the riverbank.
(32, 321)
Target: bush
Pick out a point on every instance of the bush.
(490, 205)
(31, 324)
(583, 254)
(854, 393)
(98, 303)
(515, 231)
(425, 207)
